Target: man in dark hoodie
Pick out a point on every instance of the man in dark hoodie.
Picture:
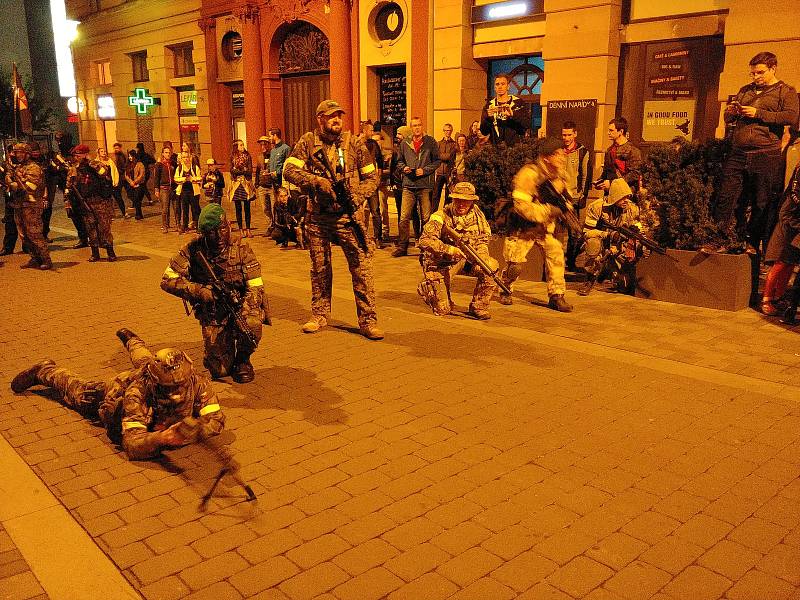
(758, 115)
(417, 160)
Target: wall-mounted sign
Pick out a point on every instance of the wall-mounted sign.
(105, 107)
(392, 92)
(189, 123)
(582, 112)
(188, 99)
(670, 71)
(237, 100)
(389, 22)
(75, 105)
(505, 11)
(142, 100)
(665, 119)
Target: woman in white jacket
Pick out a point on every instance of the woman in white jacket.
(187, 178)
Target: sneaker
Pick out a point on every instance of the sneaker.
(558, 303)
(505, 299)
(27, 378)
(314, 324)
(371, 331)
(399, 251)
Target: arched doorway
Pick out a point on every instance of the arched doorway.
(303, 65)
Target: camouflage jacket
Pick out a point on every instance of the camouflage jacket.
(31, 175)
(238, 267)
(87, 178)
(145, 412)
(472, 227)
(305, 171)
(531, 215)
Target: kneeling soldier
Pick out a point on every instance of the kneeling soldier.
(441, 259)
(144, 407)
(221, 278)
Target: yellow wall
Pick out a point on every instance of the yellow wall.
(113, 33)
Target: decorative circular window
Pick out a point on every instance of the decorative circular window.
(232, 46)
(389, 22)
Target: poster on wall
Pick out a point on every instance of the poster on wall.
(582, 112)
(665, 119)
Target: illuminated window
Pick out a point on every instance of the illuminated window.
(103, 72)
(184, 64)
(139, 61)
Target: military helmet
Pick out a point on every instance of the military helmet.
(170, 367)
(21, 147)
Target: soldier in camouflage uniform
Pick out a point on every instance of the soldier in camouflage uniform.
(441, 259)
(25, 184)
(326, 220)
(227, 347)
(533, 221)
(142, 408)
(89, 187)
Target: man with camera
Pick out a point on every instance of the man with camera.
(505, 118)
(338, 169)
(757, 114)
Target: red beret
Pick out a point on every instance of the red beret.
(81, 149)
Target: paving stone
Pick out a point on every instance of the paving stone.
(579, 576)
(617, 550)
(544, 591)
(264, 575)
(365, 528)
(319, 524)
(460, 538)
(469, 566)
(217, 591)
(638, 581)
(132, 532)
(223, 541)
(365, 556)
(211, 570)
(524, 571)
(317, 550)
(758, 534)
(269, 545)
(757, 584)
(729, 559)
(374, 584)
(430, 586)
(176, 537)
(783, 561)
(413, 532)
(313, 582)
(672, 554)
(416, 561)
(699, 583)
(169, 588)
(169, 563)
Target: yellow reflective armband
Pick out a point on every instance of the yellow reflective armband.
(170, 273)
(368, 169)
(208, 409)
(132, 425)
(256, 282)
(295, 161)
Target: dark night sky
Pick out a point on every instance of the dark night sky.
(14, 41)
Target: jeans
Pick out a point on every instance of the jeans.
(189, 202)
(165, 197)
(264, 195)
(441, 184)
(116, 191)
(409, 200)
(238, 204)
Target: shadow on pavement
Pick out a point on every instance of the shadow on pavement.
(65, 264)
(133, 257)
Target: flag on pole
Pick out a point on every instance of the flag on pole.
(21, 101)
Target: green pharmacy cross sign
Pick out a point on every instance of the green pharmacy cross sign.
(142, 101)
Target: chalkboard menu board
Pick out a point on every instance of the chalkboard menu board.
(393, 96)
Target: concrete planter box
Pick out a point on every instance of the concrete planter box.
(531, 270)
(720, 281)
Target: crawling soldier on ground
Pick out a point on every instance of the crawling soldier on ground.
(142, 408)
(229, 337)
(441, 260)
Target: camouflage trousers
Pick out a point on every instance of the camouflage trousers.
(484, 287)
(95, 398)
(28, 218)
(97, 220)
(516, 249)
(321, 230)
(225, 346)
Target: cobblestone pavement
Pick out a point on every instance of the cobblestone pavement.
(629, 450)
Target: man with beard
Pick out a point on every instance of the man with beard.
(328, 219)
(231, 309)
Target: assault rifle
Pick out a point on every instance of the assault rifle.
(344, 197)
(10, 172)
(192, 431)
(229, 299)
(473, 257)
(568, 214)
(630, 233)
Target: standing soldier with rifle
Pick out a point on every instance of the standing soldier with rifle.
(221, 278)
(89, 189)
(25, 183)
(337, 167)
(454, 234)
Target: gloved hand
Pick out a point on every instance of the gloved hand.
(201, 293)
(325, 185)
(455, 253)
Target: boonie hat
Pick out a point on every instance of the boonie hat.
(463, 190)
(619, 189)
(329, 107)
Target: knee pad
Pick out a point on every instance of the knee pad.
(433, 292)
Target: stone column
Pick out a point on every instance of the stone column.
(219, 106)
(342, 59)
(417, 81)
(253, 77)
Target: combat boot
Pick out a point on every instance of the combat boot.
(28, 377)
(125, 335)
(505, 299)
(46, 265)
(80, 244)
(371, 331)
(587, 286)
(112, 256)
(558, 303)
(95, 254)
(31, 264)
(243, 371)
(314, 324)
(479, 313)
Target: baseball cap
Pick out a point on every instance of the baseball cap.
(329, 107)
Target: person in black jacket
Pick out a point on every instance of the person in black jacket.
(505, 118)
(164, 184)
(757, 114)
(148, 161)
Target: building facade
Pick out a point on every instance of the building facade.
(666, 66)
